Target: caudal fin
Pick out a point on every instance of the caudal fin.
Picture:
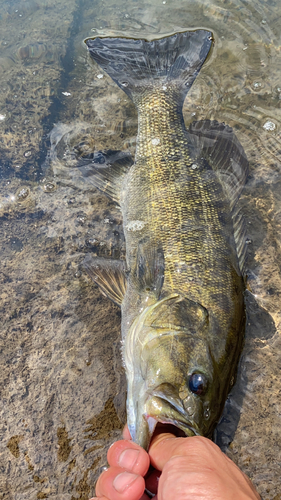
(137, 65)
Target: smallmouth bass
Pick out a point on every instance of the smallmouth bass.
(181, 287)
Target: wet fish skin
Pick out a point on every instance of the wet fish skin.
(183, 312)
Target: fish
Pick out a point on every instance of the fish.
(181, 286)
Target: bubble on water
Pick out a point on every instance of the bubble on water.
(27, 154)
(194, 166)
(100, 75)
(49, 187)
(2, 117)
(81, 219)
(93, 241)
(257, 86)
(269, 125)
(22, 194)
(135, 225)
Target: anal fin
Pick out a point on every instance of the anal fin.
(109, 275)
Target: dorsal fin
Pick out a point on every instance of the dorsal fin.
(106, 171)
(109, 275)
(220, 147)
(217, 143)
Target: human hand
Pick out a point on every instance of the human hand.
(192, 467)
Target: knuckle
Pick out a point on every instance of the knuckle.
(198, 446)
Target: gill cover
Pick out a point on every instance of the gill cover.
(156, 359)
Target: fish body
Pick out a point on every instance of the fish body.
(181, 291)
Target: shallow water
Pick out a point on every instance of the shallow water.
(62, 384)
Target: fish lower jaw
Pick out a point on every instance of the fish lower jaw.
(178, 428)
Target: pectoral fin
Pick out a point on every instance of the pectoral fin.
(109, 275)
(149, 272)
(106, 171)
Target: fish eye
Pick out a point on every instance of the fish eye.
(197, 384)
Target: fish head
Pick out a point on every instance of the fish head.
(175, 380)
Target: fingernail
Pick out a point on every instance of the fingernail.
(128, 458)
(123, 481)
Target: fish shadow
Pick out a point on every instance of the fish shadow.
(259, 326)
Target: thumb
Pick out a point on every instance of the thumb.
(201, 458)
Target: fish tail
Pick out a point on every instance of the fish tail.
(139, 65)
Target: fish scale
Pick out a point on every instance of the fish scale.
(171, 204)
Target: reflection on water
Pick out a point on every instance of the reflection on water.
(62, 384)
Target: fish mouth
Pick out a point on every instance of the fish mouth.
(173, 426)
(165, 407)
